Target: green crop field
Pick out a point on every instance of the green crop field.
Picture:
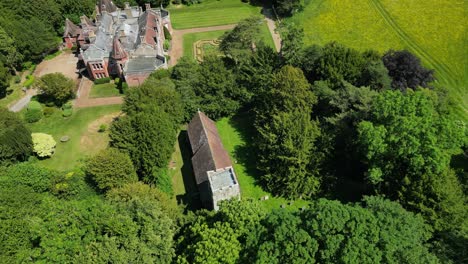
(211, 13)
(434, 30)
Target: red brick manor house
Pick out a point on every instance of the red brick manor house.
(125, 43)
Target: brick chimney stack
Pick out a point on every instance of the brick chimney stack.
(127, 5)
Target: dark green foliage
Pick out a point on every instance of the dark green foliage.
(147, 137)
(55, 87)
(4, 79)
(286, 135)
(330, 232)
(286, 8)
(15, 138)
(26, 174)
(102, 80)
(292, 44)
(185, 74)
(159, 92)
(255, 76)
(141, 191)
(239, 42)
(71, 185)
(406, 70)
(216, 89)
(110, 168)
(209, 87)
(96, 232)
(407, 145)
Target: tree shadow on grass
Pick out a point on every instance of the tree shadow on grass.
(191, 197)
(245, 154)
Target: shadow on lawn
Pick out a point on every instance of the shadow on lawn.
(245, 154)
(191, 197)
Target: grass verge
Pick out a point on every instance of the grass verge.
(82, 128)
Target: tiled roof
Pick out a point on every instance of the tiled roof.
(207, 148)
(71, 29)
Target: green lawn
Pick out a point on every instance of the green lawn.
(82, 128)
(433, 30)
(191, 38)
(211, 13)
(235, 135)
(104, 90)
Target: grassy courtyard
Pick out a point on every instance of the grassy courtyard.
(104, 90)
(211, 13)
(423, 27)
(191, 38)
(82, 128)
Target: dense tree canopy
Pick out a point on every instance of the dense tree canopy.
(407, 146)
(15, 139)
(110, 168)
(286, 135)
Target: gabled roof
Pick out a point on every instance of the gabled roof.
(207, 148)
(118, 52)
(71, 29)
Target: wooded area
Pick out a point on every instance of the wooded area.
(363, 136)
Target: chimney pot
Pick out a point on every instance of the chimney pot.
(127, 5)
(147, 6)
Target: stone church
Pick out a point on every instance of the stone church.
(125, 43)
(212, 167)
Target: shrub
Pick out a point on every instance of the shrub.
(34, 105)
(27, 174)
(102, 80)
(33, 115)
(102, 128)
(67, 106)
(110, 168)
(67, 112)
(70, 186)
(166, 44)
(29, 81)
(43, 144)
(17, 79)
(48, 111)
(167, 34)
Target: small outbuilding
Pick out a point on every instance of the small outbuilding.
(214, 173)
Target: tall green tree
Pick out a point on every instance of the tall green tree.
(55, 87)
(185, 74)
(147, 137)
(292, 44)
(239, 43)
(15, 138)
(407, 145)
(286, 135)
